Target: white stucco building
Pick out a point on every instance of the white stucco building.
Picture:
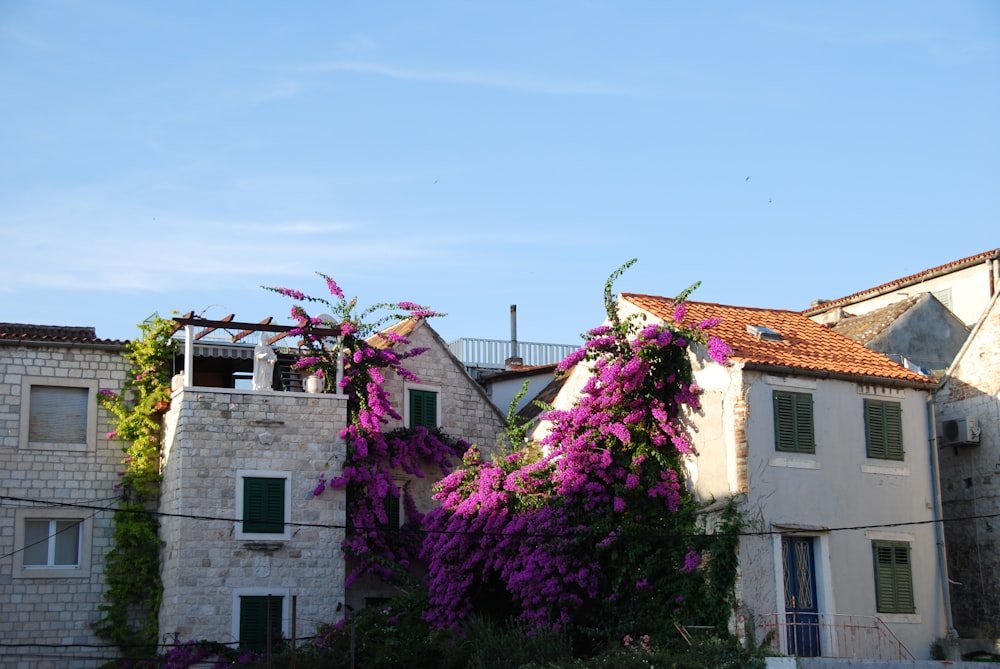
(825, 445)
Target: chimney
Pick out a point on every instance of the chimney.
(515, 360)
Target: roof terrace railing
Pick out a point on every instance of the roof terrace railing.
(493, 353)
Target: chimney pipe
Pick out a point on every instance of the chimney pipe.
(515, 359)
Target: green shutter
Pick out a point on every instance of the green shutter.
(883, 430)
(423, 408)
(253, 621)
(263, 505)
(893, 577)
(392, 512)
(793, 422)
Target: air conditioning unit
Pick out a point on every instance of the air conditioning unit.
(959, 431)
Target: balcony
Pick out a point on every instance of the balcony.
(829, 635)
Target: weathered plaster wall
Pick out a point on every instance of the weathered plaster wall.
(210, 435)
(970, 481)
(43, 609)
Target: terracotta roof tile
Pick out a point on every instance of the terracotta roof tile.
(52, 334)
(900, 283)
(805, 345)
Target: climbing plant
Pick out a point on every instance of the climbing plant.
(128, 617)
(596, 532)
(361, 348)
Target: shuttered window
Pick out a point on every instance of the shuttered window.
(884, 430)
(58, 414)
(263, 505)
(392, 514)
(793, 422)
(253, 621)
(423, 408)
(893, 577)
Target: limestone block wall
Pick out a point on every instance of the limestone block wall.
(39, 606)
(970, 483)
(210, 436)
(466, 411)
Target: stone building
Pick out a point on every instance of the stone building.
(968, 422)
(449, 399)
(58, 474)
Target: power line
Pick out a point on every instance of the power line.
(528, 534)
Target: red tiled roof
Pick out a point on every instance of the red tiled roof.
(900, 283)
(805, 345)
(52, 334)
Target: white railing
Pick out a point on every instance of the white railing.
(494, 352)
(830, 635)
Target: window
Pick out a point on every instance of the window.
(893, 577)
(58, 414)
(421, 408)
(51, 543)
(793, 422)
(263, 503)
(883, 430)
(392, 512)
(254, 609)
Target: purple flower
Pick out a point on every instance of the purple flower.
(691, 561)
(291, 292)
(334, 288)
(719, 350)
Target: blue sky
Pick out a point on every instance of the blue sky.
(160, 157)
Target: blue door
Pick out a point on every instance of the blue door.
(801, 611)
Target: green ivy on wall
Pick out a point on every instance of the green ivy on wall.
(132, 567)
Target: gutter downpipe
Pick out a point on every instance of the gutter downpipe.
(952, 649)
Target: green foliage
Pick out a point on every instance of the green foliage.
(508, 645)
(393, 635)
(132, 568)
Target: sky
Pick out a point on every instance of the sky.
(176, 156)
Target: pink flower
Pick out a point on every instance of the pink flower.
(334, 288)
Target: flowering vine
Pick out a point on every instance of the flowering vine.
(597, 532)
(358, 351)
(132, 566)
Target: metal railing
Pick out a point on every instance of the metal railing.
(494, 352)
(830, 635)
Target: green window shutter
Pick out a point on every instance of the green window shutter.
(793, 422)
(392, 512)
(893, 577)
(423, 408)
(883, 430)
(263, 505)
(253, 621)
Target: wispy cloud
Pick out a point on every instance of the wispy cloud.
(503, 80)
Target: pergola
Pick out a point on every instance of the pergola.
(197, 328)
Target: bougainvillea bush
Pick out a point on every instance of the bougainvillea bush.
(358, 350)
(598, 534)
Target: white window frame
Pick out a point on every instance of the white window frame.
(241, 476)
(90, 385)
(284, 593)
(407, 387)
(85, 537)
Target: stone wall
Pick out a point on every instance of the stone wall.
(38, 607)
(210, 436)
(970, 483)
